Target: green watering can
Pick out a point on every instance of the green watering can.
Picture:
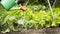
(7, 4)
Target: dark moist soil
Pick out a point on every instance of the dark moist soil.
(39, 31)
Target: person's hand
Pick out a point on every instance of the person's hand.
(23, 8)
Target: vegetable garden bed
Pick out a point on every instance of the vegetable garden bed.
(30, 22)
(31, 18)
(55, 30)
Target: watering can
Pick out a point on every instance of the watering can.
(7, 4)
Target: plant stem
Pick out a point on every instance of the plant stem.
(51, 10)
(54, 4)
(27, 2)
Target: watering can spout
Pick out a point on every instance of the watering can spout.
(7, 4)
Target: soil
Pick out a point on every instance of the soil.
(39, 31)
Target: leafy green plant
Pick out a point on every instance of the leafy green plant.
(17, 20)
